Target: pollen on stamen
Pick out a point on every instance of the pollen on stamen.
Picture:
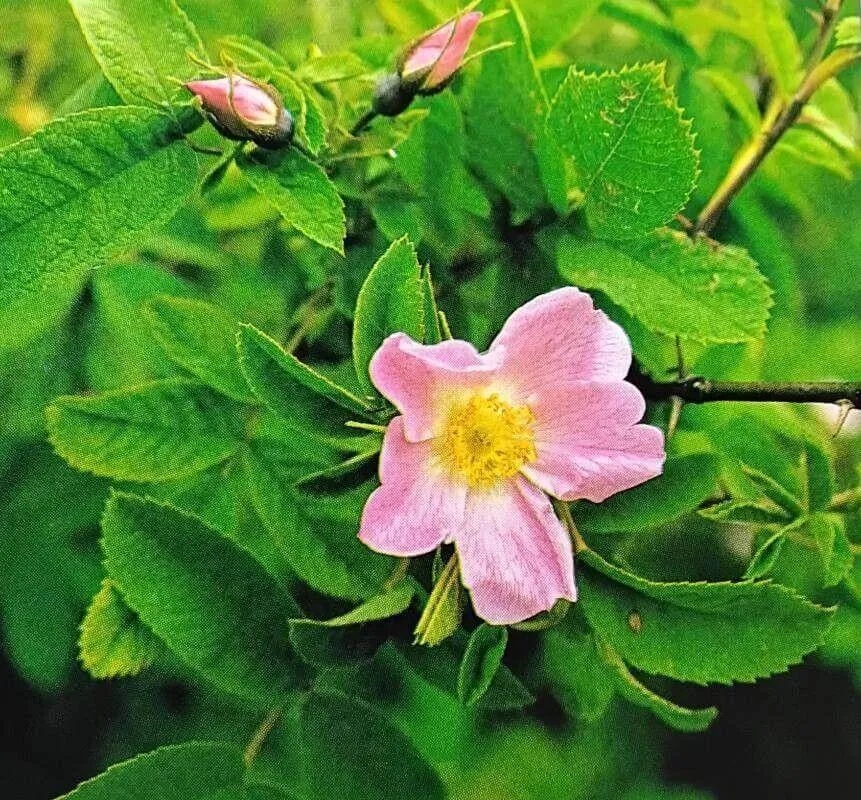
(486, 440)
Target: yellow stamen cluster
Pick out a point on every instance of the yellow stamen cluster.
(486, 440)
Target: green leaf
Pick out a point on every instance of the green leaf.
(193, 771)
(156, 432)
(301, 192)
(391, 299)
(775, 491)
(765, 557)
(142, 48)
(817, 477)
(699, 632)
(354, 636)
(848, 32)
(381, 139)
(633, 151)
(682, 719)
(75, 193)
(208, 600)
(296, 392)
(744, 512)
(444, 608)
(201, 338)
(736, 94)
(505, 125)
(318, 536)
(828, 531)
(684, 484)
(481, 661)
(114, 643)
(349, 750)
(675, 286)
(432, 326)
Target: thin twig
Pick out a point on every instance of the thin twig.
(260, 735)
(362, 122)
(779, 118)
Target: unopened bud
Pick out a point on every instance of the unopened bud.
(392, 96)
(243, 110)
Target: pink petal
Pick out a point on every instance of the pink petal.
(587, 443)
(453, 54)
(428, 50)
(250, 101)
(515, 555)
(415, 508)
(419, 378)
(560, 338)
(214, 93)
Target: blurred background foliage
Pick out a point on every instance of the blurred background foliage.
(787, 737)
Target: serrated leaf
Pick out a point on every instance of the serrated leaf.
(318, 536)
(114, 643)
(200, 338)
(674, 286)
(296, 392)
(817, 477)
(828, 531)
(209, 601)
(300, 191)
(775, 491)
(481, 661)
(391, 300)
(160, 431)
(848, 32)
(630, 145)
(192, 771)
(699, 632)
(684, 484)
(350, 750)
(75, 193)
(682, 719)
(351, 637)
(142, 48)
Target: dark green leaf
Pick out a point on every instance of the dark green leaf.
(481, 661)
(351, 751)
(208, 600)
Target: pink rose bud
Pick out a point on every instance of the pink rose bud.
(434, 59)
(243, 110)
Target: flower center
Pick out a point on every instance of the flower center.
(486, 440)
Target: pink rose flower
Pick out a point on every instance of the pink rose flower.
(434, 59)
(244, 110)
(482, 439)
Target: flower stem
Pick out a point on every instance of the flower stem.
(779, 117)
(564, 512)
(366, 119)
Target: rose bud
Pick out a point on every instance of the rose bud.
(243, 110)
(427, 65)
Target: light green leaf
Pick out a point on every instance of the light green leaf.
(156, 432)
(201, 338)
(443, 611)
(352, 637)
(300, 191)
(141, 47)
(351, 751)
(209, 601)
(75, 193)
(828, 531)
(391, 300)
(744, 512)
(481, 661)
(736, 94)
(765, 557)
(673, 285)
(848, 32)
(381, 139)
(699, 632)
(684, 484)
(632, 149)
(332, 67)
(296, 392)
(682, 719)
(114, 643)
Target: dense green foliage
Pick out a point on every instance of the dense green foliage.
(188, 430)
